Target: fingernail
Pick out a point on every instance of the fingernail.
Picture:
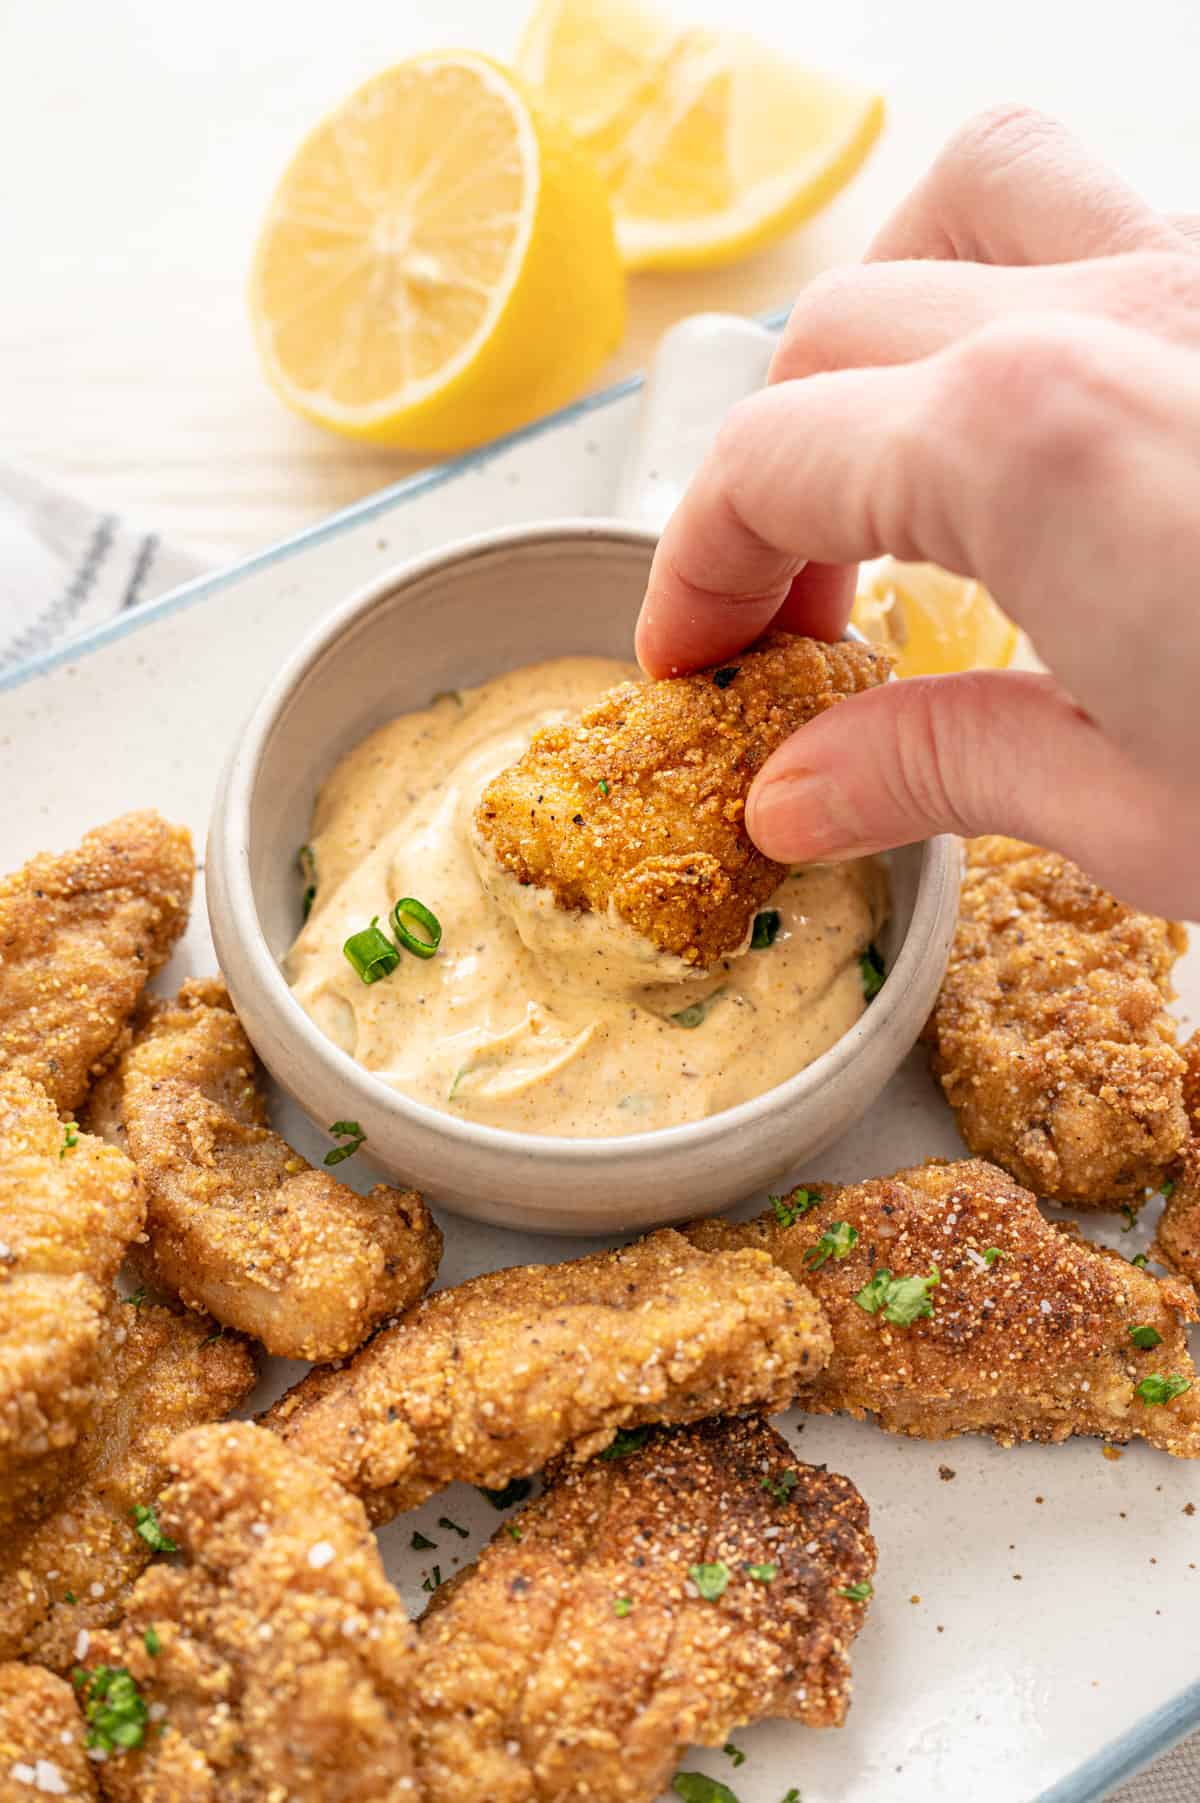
(802, 817)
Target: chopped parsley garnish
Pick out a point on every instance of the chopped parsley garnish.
(452, 1527)
(433, 1581)
(902, 1299)
(420, 1544)
(422, 944)
(766, 929)
(371, 952)
(602, 785)
(1144, 1338)
(763, 1574)
(353, 1135)
(138, 1297)
(70, 1139)
(146, 1522)
(1141, 1260)
(152, 1643)
(692, 1016)
(512, 1530)
(626, 1440)
(1130, 1219)
(874, 970)
(515, 1491)
(836, 1242)
(992, 1254)
(1168, 1189)
(306, 864)
(622, 1606)
(724, 676)
(858, 1593)
(734, 1754)
(710, 1580)
(696, 1787)
(788, 1209)
(781, 1487)
(1161, 1389)
(115, 1709)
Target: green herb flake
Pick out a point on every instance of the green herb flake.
(70, 1597)
(421, 1544)
(1145, 1338)
(788, 1209)
(781, 1487)
(902, 1299)
(513, 1531)
(70, 1139)
(152, 1643)
(306, 864)
(1141, 1260)
(433, 1581)
(146, 1522)
(793, 1796)
(724, 676)
(734, 1754)
(138, 1297)
(602, 785)
(452, 1527)
(114, 1708)
(992, 1254)
(711, 1581)
(837, 1241)
(857, 1593)
(873, 970)
(1155, 1389)
(766, 929)
(625, 1441)
(696, 1787)
(352, 1133)
(1168, 1189)
(622, 1606)
(516, 1490)
(695, 1014)
(1130, 1215)
(763, 1574)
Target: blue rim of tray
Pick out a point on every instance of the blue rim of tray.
(1165, 1726)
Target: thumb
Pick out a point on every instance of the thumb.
(986, 752)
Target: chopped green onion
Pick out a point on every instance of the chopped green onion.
(622, 1606)
(420, 1544)
(902, 1299)
(793, 1796)
(1168, 1189)
(625, 1441)
(692, 1016)
(836, 1242)
(602, 785)
(306, 864)
(354, 1136)
(1141, 1260)
(874, 970)
(1161, 1389)
(372, 953)
(408, 908)
(433, 1580)
(858, 1593)
(992, 1254)
(763, 1574)
(452, 1527)
(724, 676)
(697, 1787)
(733, 1754)
(115, 1710)
(515, 1491)
(145, 1520)
(710, 1580)
(1130, 1219)
(766, 929)
(70, 1139)
(152, 1643)
(1144, 1338)
(781, 1487)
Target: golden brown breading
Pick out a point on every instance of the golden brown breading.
(69, 1206)
(238, 1223)
(531, 1682)
(1031, 1345)
(160, 1372)
(81, 934)
(41, 1739)
(285, 1659)
(1177, 1241)
(1051, 1036)
(488, 1381)
(634, 810)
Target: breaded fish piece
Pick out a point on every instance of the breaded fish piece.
(573, 1664)
(42, 1749)
(1177, 1241)
(238, 1224)
(284, 1666)
(488, 1381)
(1027, 1333)
(69, 1573)
(69, 1207)
(634, 811)
(81, 934)
(1051, 1035)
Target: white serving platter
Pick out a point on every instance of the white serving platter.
(1032, 1638)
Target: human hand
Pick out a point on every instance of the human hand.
(1009, 386)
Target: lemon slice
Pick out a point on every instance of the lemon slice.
(935, 622)
(438, 263)
(711, 145)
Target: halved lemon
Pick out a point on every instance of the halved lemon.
(712, 146)
(438, 263)
(935, 622)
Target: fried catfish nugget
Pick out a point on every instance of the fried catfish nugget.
(284, 1661)
(654, 1600)
(955, 1307)
(69, 1573)
(488, 1381)
(238, 1223)
(634, 811)
(1177, 1241)
(1051, 1036)
(69, 1206)
(81, 934)
(42, 1748)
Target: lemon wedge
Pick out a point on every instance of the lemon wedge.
(935, 622)
(712, 146)
(438, 263)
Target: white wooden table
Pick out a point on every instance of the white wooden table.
(139, 141)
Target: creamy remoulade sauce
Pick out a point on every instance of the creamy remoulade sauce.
(564, 1041)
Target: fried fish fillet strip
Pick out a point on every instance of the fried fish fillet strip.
(238, 1223)
(488, 1381)
(41, 1739)
(69, 1206)
(1029, 1332)
(1051, 1036)
(634, 811)
(69, 1573)
(531, 1681)
(81, 934)
(1177, 1241)
(285, 1659)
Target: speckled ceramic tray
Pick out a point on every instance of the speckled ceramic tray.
(1033, 1632)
